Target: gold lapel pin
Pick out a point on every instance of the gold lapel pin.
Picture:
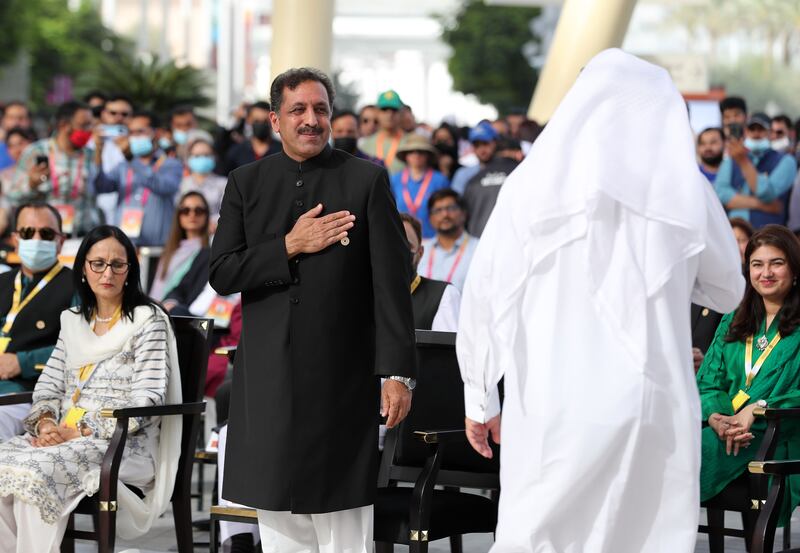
(40, 325)
(705, 312)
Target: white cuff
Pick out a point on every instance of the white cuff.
(480, 406)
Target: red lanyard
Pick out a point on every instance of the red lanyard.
(54, 174)
(414, 206)
(455, 263)
(129, 189)
(392, 149)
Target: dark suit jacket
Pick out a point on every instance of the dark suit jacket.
(704, 326)
(316, 331)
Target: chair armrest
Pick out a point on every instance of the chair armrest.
(440, 436)
(154, 411)
(224, 350)
(767, 413)
(784, 468)
(16, 398)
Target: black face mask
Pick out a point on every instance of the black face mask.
(262, 130)
(346, 143)
(713, 161)
(446, 149)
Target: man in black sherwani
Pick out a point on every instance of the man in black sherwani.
(313, 240)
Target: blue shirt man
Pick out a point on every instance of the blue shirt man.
(484, 142)
(754, 181)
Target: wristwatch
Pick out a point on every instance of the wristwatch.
(761, 403)
(409, 382)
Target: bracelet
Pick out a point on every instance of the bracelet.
(40, 421)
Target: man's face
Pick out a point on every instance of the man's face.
(388, 119)
(447, 217)
(407, 120)
(484, 151)
(345, 127)
(16, 116)
(710, 147)
(118, 112)
(756, 132)
(304, 120)
(368, 125)
(733, 115)
(81, 121)
(37, 218)
(140, 126)
(413, 244)
(779, 130)
(258, 115)
(514, 123)
(183, 122)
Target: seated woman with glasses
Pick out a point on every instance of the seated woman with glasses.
(115, 350)
(188, 236)
(32, 298)
(753, 361)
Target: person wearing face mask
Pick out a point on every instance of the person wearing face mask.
(146, 183)
(32, 298)
(201, 163)
(781, 134)
(754, 181)
(344, 132)
(62, 171)
(259, 142)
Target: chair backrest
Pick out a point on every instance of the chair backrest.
(437, 404)
(193, 338)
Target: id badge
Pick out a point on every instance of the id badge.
(131, 223)
(67, 213)
(74, 416)
(4, 341)
(738, 400)
(221, 310)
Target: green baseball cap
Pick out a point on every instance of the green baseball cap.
(389, 99)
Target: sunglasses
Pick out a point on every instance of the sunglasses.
(117, 267)
(196, 210)
(45, 233)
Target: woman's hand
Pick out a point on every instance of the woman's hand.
(720, 424)
(48, 435)
(738, 434)
(68, 433)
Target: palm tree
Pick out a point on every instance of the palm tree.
(152, 84)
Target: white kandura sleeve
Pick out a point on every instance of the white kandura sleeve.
(446, 318)
(720, 284)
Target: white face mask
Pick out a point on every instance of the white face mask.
(781, 144)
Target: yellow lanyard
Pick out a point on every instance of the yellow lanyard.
(18, 304)
(750, 370)
(415, 283)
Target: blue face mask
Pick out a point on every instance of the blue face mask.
(38, 255)
(180, 137)
(757, 146)
(141, 145)
(201, 164)
(164, 143)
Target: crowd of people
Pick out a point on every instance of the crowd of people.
(118, 178)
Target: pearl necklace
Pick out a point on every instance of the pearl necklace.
(101, 320)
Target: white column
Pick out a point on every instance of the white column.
(585, 28)
(302, 34)
(224, 59)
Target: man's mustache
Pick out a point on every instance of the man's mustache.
(305, 129)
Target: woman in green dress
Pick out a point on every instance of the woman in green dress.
(754, 361)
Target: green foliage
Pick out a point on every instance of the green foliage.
(488, 59)
(152, 85)
(58, 40)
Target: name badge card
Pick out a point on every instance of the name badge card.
(221, 310)
(132, 218)
(67, 213)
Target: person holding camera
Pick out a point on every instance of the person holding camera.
(754, 180)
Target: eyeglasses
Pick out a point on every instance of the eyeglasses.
(117, 267)
(45, 233)
(113, 113)
(183, 211)
(452, 208)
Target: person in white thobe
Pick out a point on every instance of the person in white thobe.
(579, 295)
